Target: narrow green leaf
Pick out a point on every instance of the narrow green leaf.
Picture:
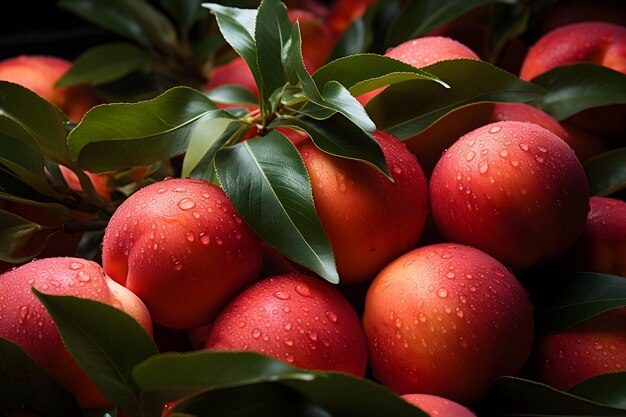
(351, 41)
(366, 72)
(295, 70)
(272, 31)
(232, 94)
(337, 97)
(606, 173)
(402, 110)
(16, 237)
(338, 136)
(24, 384)
(184, 12)
(608, 389)
(43, 122)
(136, 20)
(105, 63)
(92, 333)
(115, 136)
(510, 396)
(574, 88)
(581, 297)
(204, 138)
(268, 183)
(420, 17)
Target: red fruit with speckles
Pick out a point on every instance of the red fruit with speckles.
(437, 406)
(594, 347)
(512, 189)
(602, 245)
(369, 220)
(182, 248)
(25, 321)
(446, 320)
(296, 318)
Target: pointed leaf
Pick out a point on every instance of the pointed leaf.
(115, 136)
(41, 119)
(135, 20)
(24, 384)
(338, 136)
(582, 296)
(17, 237)
(268, 183)
(204, 139)
(609, 389)
(607, 172)
(401, 110)
(338, 98)
(577, 87)
(92, 333)
(420, 17)
(272, 30)
(232, 94)
(105, 63)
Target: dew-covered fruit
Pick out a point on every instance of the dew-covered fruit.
(25, 321)
(369, 219)
(512, 189)
(299, 319)
(180, 245)
(446, 320)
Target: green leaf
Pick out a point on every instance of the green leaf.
(272, 31)
(17, 243)
(115, 136)
(338, 98)
(135, 20)
(407, 108)
(107, 344)
(232, 94)
(574, 88)
(254, 400)
(205, 139)
(339, 137)
(24, 384)
(105, 63)
(581, 297)
(22, 157)
(185, 12)
(608, 389)
(419, 17)
(351, 41)
(269, 186)
(606, 173)
(510, 396)
(366, 72)
(43, 122)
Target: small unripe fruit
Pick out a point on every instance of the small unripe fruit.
(25, 321)
(512, 189)
(446, 320)
(296, 318)
(437, 406)
(369, 220)
(182, 248)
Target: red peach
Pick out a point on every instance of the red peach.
(344, 12)
(26, 322)
(594, 347)
(296, 318)
(512, 189)
(369, 220)
(437, 406)
(235, 71)
(446, 320)
(99, 181)
(602, 245)
(180, 242)
(40, 73)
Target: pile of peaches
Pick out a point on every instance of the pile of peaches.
(436, 267)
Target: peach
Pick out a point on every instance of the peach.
(26, 322)
(437, 406)
(602, 245)
(512, 189)
(99, 181)
(594, 347)
(296, 318)
(344, 12)
(446, 320)
(596, 42)
(40, 73)
(180, 242)
(235, 71)
(369, 220)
